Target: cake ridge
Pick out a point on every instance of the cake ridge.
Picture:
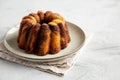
(43, 33)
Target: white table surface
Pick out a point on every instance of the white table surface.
(100, 60)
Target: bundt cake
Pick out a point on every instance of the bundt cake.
(43, 33)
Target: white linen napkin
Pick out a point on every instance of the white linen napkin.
(58, 68)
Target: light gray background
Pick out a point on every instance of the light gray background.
(100, 60)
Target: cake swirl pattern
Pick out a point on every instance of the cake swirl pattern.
(43, 33)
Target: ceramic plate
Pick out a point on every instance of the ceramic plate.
(77, 41)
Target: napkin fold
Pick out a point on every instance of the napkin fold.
(59, 68)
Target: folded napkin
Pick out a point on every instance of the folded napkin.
(58, 67)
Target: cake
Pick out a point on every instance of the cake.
(43, 33)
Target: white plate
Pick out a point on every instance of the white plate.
(77, 41)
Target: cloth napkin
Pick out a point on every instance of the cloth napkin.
(59, 68)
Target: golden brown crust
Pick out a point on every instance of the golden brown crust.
(23, 36)
(50, 37)
(30, 19)
(32, 37)
(27, 22)
(41, 15)
(47, 16)
(55, 46)
(57, 21)
(57, 16)
(35, 16)
(63, 38)
(44, 40)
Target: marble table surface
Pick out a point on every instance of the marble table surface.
(100, 59)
